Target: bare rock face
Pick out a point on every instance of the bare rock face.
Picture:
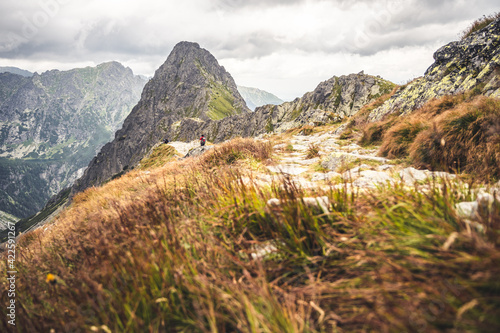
(332, 100)
(189, 85)
(469, 64)
(198, 151)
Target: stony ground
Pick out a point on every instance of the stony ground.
(322, 160)
(341, 161)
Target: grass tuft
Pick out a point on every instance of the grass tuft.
(465, 139)
(454, 133)
(312, 151)
(479, 24)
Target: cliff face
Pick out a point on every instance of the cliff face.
(190, 84)
(51, 125)
(333, 99)
(469, 64)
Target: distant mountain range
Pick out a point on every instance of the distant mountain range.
(255, 97)
(52, 124)
(15, 70)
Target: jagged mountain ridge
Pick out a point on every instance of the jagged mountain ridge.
(332, 100)
(255, 97)
(190, 84)
(52, 124)
(460, 66)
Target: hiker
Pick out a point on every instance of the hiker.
(165, 141)
(202, 140)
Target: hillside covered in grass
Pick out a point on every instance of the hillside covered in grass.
(203, 245)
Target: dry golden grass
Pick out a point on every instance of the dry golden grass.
(479, 24)
(465, 138)
(454, 133)
(172, 249)
(399, 137)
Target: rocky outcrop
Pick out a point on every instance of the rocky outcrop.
(53, 124)
(198, 151)
(470, 64)
(189, 85)
(332, 100)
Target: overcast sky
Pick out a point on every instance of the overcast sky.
(286, 47)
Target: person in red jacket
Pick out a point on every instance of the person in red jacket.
(202, 140)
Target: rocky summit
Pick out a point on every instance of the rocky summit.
(331, 101)
(52, 124)
(461, 66)
(189, 85)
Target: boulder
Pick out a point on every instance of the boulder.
(316, 177)
(336, 160)
(289, 169)
(370, 178)
(198, 151)
(467, 210)
(412, 175)
(317, 202)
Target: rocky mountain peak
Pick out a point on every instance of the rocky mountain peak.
(190, 84)
(255, 97)
(332, 100)
(15, 70)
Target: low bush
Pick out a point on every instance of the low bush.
(373, 133)
(312, 151)
(235, 150)
(458, 133)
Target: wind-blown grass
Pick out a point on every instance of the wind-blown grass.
(173, 249)
(479, 24)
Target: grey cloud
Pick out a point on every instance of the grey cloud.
(252, 45)
(233, 5)
(387, 27)
(119, 39)
(25, 26)
(403, 26)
